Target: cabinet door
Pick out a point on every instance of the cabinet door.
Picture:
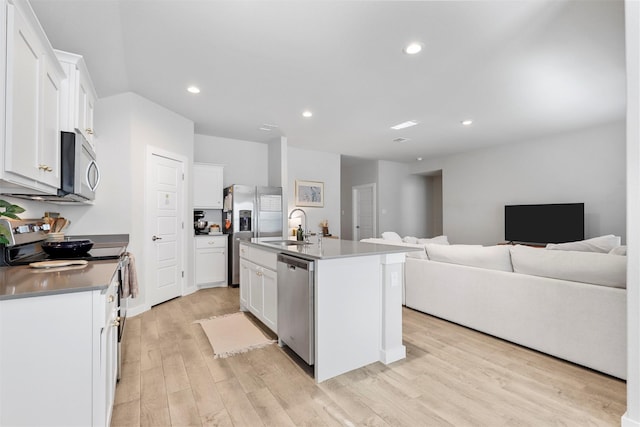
(245, 283)
(85, 104)
(49, 152)
(270, 298)
(255, 290)
(23, 105)
(210, 266)
(207, 186)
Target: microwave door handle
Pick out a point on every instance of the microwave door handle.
(88, 175)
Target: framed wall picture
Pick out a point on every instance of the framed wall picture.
(309, 193)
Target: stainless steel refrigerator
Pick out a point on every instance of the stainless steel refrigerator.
(250, 212)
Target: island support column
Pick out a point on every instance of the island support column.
(391, 347)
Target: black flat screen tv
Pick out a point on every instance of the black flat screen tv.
(552, 223)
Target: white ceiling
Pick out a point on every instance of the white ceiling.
(519, 69)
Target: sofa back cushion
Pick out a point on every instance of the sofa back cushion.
(490, 257)
(419, 254)
(587, 267)
(602, 244)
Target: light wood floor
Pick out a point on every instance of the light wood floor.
(451, 376)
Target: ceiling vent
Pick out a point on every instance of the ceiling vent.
(400, 139)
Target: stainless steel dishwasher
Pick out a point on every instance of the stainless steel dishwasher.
(296, 306)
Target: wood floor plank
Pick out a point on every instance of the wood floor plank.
(183, 409)
(238, 406)
(452, 376)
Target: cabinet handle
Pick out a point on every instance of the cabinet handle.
(89, 131)
(116, 323)
(258, 273)
(111, 298)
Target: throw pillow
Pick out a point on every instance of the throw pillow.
(438, 240)
(410, 239)
(392, 236)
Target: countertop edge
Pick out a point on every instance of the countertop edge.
(380, 250)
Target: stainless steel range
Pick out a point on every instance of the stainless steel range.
(25, 247)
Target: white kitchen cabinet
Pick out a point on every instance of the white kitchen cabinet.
(211, 261)
(207, 186)
(259, 284)
(59, 358)
(31, 104)
(78, 96)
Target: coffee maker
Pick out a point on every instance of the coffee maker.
(199, 224)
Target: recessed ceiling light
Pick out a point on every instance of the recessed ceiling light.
(307, 113)
(404, 125)
(193, 89)
(419, 159)
(413, 48)
(264, 128)
(400, 139)
(466, 122)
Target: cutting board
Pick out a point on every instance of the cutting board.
(58, 263)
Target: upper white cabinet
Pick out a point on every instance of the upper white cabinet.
(78, 96)
(30, 102)
(207, 186)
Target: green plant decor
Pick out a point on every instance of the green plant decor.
(10, 211)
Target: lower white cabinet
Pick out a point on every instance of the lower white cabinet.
(59, 358)
(259, 285)
(211, 261)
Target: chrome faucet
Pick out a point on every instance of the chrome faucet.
(305, 232)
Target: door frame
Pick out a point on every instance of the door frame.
(354, 208)
(182, 213)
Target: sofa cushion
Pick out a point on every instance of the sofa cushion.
(391, 236)
(602, 244)
(421, 254)
(619, 250)
(587, 267)
(490, 257)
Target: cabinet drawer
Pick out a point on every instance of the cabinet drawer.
(266, 259)
(211, 242)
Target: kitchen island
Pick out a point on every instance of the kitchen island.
(357, 300)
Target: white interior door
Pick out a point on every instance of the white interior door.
(165, 190)
(364, 211)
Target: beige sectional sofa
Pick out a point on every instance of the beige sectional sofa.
(567, 303)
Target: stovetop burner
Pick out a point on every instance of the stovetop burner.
(26, 237)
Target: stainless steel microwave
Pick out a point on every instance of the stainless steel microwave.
(79, 172)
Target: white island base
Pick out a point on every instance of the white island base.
(358, 313)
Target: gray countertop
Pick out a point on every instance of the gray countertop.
(331, 248)
(24, 281)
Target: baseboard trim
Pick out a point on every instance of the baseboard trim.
(628, 422)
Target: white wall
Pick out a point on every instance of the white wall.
(245, 162)
(126, 125)
(353, 171)
(309, 165)
(632, 12)
(586, 166)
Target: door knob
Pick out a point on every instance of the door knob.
(154, 238)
